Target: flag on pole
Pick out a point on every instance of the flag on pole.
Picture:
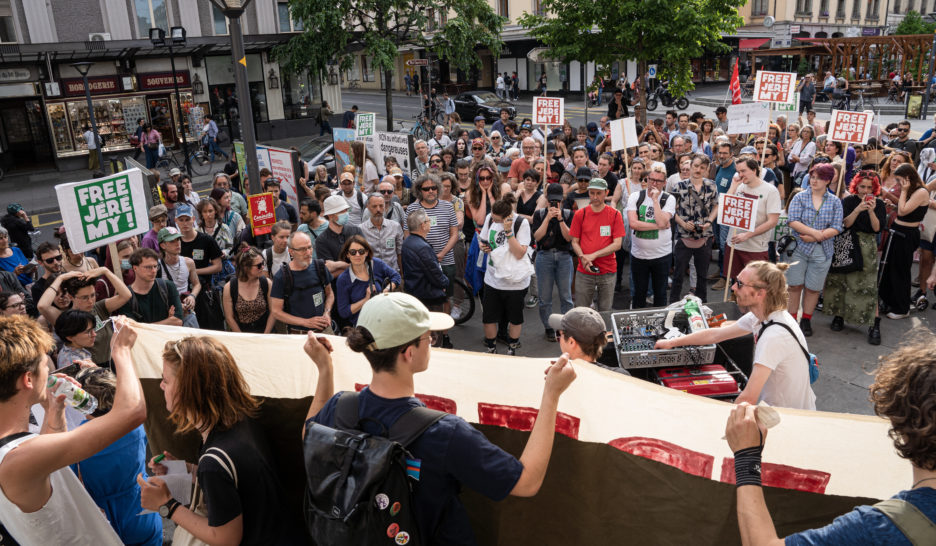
(735, 85)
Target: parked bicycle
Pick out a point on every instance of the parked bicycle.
(423, 127)
(462, 301)
(200, 161)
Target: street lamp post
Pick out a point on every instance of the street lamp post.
(83, 68)
(233, 9)
(176, 37)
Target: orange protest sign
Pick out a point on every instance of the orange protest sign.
(262, 213)
(737, 211)
(548, 110)
(850, 127)
(777, 87)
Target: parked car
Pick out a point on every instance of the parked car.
(481, 102)
(319, 151)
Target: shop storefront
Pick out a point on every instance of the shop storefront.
(24, 136)
(222, 92)
(116, 111)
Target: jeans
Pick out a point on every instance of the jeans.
(701, 257)
(553, 266)
(213, 149)
(587, 287)
(325, 128)
(189, 320)
(647, 271)
(152, 156)
(722, 244)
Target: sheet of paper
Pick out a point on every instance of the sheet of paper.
(179, 481)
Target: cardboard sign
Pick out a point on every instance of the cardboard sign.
(548, 110)
(397, 145)
(262, 213)
(364, 125)
(623, 133)
(793, 107)
(104, 210)
(777, 87)
(737, 211)
(850, 127)
(283, 163)
(752, 117)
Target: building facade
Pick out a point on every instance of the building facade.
(42, 97)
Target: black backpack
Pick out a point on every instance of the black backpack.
(359, 489)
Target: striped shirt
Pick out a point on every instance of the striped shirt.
(442, 216)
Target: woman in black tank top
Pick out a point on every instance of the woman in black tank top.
(529, 196)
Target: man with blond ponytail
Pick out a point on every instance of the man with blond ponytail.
(780, 375)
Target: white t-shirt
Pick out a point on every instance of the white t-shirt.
(278, 260)
(493, 234)
(89, 138)
(768, 202)
(788, 384)
(650, 245)
(370, 173)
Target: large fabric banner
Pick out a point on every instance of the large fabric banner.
(609, 426)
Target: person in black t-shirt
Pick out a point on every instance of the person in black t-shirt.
(243, 493)
(553, 258)
(205, 252)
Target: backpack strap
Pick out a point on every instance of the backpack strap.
(268, 254)
(346, 411)
(788, 329)
(320, 272)
(222, 459)
(413, 423)
(360, 198)
(287, 286)
(163, 291)
(912, 522)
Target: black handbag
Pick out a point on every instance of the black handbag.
(846, 254)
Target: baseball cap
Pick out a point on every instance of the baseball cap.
(397, 318)
(185, 210)
(597, 184)
(581, 323)
(167, 234)
(396, 171)
(551, 147)
(592, 128)
(14, 208)
(554, 192)
(174, 171)
(479, 118)
(346, 176)
(479, 141)
(334, 205)
(748, 150)
(504, 163)
(157, 211)
(583, 173)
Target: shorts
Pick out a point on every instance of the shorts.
(926, 245)
(809, 270)
(498, 304)
(449, 271)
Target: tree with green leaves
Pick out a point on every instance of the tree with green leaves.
(336, 30)
(667, 32)
(913, 23)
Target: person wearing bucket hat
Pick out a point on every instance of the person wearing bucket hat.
(597, 232)
(328, 245)
(159, 217)
(19, 224)
(393, 334)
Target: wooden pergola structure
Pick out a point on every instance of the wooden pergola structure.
(874, 55)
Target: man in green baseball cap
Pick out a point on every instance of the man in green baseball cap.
(393, 333)
(597, 232)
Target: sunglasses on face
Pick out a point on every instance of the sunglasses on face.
(476, 148)
(741, 284)
(357, 252)
(428, 188)
(436, 162)
(259, 266)
(485, 178)
(386, 192)
(53, 259)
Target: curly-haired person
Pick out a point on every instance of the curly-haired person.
(904, 392)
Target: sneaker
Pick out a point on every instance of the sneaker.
(874, 335)
(492, 349)
(838, 324)
(456, 313)
(447, 342)
(512, 349)
(531, 302)
(714, 277)
(720, 285)
(806, 327)
(898, 316)
(551, 335)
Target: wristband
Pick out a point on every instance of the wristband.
(747, 466)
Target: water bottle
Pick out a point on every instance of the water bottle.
(75, 396)
(694, 312)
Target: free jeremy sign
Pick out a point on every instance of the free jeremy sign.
(776, 87)
(262, 213)
(850, 127)
(737, 211)
(104, 210)
(548, 110)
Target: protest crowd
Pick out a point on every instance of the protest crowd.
(520, 215)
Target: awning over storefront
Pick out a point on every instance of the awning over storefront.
(748, 44)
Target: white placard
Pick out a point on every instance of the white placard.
(752, 117)
(775, 87)
(623, 133)
(850, 127)
(548, 110)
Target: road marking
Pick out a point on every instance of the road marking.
(52, 223)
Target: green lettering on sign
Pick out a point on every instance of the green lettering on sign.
(364, 125)
(106, 208)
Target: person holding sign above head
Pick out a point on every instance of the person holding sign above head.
(815, 218)
(749, 246)
(780, 375)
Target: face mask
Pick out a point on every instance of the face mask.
(125, 264)
(342, 219)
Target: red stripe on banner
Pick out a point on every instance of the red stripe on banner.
(781, 475)
(519, 418)
(431, 401)
(691, 462)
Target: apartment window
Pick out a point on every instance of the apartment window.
(502, 8)
(804, 7)
(219, 21)
(431, 23)
(896, 6)
(151, 14)
(824, 8)
(759, 8)
(872, 10)
(856, 9)
(7, 30)
(367, 68)
(840, 9)
(286, 22)
(538, 7)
